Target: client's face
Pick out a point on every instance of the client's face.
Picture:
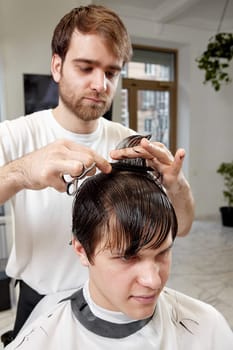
(131, 286)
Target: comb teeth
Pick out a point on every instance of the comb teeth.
(125, 166)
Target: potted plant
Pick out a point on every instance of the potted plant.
(226, 170)
(216, 59)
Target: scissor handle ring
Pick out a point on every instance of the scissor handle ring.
(71, 187)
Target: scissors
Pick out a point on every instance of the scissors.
(72, 185)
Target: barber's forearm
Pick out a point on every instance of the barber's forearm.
(183, 202)
(11, 181)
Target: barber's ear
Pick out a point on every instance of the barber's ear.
(56, 67)
(81, 252)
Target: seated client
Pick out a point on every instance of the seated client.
(124, 227)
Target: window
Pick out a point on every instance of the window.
(148, 94)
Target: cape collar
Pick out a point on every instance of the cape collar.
(99, 326)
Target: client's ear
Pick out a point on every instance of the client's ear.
(80, 251)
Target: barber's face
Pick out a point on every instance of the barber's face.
(130, 286)
(88, 76)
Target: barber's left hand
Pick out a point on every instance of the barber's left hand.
(160, 159)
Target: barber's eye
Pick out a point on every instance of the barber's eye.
(86, 69)
(111, 74)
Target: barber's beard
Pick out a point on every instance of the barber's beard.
(81, 108)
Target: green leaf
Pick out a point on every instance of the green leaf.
(215, 59)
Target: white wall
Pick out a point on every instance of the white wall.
(26, 31)
(205, 117)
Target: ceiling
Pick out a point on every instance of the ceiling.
(202, 14)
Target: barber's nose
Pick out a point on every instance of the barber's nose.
(99, 82)
(149, 275)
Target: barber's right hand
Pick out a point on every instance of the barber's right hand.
(46, 166)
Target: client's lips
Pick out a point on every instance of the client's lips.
(144, 299)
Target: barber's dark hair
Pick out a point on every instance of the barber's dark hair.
(93, 19)
(126, 209)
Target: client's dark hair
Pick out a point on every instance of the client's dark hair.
(126, 209)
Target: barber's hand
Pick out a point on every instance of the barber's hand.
(46, 166)
(170, 167)
(160, 159)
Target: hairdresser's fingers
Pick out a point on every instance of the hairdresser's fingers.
(45, 167)
(157, 150)
(87, 156)
(172, 175)
(146, 150)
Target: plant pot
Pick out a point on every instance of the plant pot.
(227, 216)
